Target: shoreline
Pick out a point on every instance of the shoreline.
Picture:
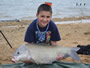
(54, 19)
(85, 19)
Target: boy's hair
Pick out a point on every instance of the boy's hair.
(44, 7)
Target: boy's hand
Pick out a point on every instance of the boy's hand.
(59, 57)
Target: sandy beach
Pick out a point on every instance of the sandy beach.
(71, 35)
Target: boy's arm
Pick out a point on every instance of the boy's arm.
(59, 57)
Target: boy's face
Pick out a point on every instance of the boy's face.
(44, 18)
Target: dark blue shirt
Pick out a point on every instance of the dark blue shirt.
(37, 34)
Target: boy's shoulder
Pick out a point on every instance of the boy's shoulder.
(52, 24)
(33, 22)
(32, 25)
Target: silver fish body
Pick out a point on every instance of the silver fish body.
(43, 53)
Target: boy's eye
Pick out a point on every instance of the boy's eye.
(48, 16)
(42, 16)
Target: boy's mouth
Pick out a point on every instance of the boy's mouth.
(44, 22)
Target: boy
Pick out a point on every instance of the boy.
(43, 29)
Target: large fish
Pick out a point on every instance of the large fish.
(43, 53)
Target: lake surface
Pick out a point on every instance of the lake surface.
(26, 9)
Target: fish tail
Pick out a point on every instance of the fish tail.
(74, 55)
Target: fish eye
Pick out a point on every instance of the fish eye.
(18, 52)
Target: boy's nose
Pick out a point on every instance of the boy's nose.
(45, 19)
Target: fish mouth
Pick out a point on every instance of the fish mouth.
(13, 60)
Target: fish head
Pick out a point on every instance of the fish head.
(21, 54)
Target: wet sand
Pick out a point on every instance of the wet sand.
(71, 35)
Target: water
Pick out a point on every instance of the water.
(26, 9)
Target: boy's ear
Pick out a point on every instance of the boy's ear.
(36, 15)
